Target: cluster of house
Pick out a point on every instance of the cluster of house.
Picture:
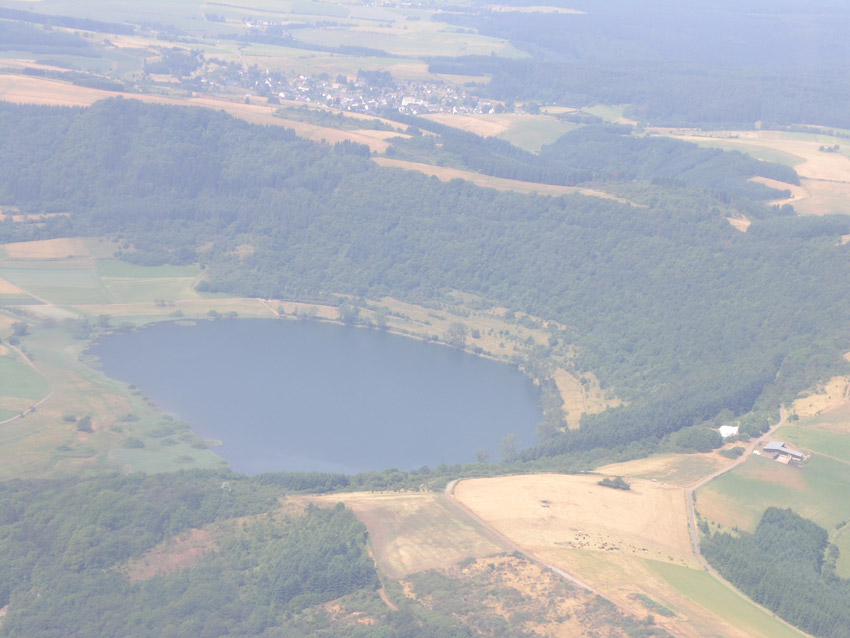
(355, 95)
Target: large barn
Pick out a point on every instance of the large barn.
(780, 452)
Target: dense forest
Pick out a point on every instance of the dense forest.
(700, 63)
(598, 153)
(681, 314)
(782, 566)
(69, 553)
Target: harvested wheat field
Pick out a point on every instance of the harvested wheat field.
(48, 249)
(829, 396)
(545, 511)
(680, 470)
(416, 531)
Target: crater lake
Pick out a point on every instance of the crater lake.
(286, 395)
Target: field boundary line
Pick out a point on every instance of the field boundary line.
(29, 362)
(496, 535)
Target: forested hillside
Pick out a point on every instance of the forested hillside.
(599, 153)
(682, 314)
(782, 566)
(700, 63)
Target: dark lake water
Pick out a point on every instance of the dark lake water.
(289, 395)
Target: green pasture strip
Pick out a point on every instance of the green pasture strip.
(65, 286)
(833, 444)
(754, 150)
(17, 379)
(136, 290)
(158, 459)
(118, 268)
(533, 134)
(605, 111)
(705, 590)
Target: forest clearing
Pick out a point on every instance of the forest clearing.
(415, 532)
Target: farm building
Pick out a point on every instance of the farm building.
(779, 452)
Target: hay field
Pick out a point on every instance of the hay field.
(825, 177)
(415, 532)
(552, 511)
(447, 174)
(67, 248)
(797, 192)
(680, 470)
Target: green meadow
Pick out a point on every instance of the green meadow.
(708, 592)
(817, 491)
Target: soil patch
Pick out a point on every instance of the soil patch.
(171, 555)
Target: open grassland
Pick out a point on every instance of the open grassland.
(545, 511)
(19, 380)
(415, 532)
(680, 470)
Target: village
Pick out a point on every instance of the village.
(366, 91)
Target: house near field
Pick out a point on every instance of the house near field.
(728, 430)
(782, 453)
